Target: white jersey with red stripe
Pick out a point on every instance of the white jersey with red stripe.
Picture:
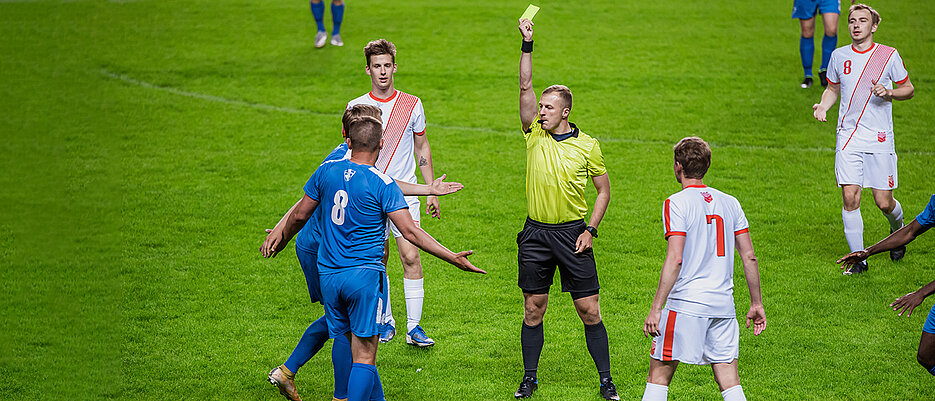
(709, 219)
(403, 117)
(865, 121)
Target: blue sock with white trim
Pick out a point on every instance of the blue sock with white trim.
(807, 51)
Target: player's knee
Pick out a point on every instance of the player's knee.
(533, 313)
(885, 205)
(926, 360)
(410, 258)
(337, 2)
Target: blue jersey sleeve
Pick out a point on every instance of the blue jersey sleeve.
(311, 187)
(927, 217)
(339, 153)
(392, 198)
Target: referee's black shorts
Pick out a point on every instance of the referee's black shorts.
(543, 246)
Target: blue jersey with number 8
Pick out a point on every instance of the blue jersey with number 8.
(354, 200)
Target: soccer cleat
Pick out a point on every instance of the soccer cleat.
(387, 332)
(320, 39)
(857, 268)
(897, 253)
(609, 390)
(526, 387)
(417, 337)
(336, 40)
(338, 399)
(806, 83)
(283, 380)
(823, 78)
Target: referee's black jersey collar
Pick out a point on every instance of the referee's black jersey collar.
(562, 137)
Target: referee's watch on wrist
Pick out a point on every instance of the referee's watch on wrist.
(592, 230)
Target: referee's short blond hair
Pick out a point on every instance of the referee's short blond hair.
(694, 154)
(563, 92)
(874, 15)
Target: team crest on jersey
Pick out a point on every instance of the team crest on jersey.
(707, 197)
(348, 174)
(891, 182)
(881, 137)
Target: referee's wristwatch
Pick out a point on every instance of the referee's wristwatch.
(592, 230)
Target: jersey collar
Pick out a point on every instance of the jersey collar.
(696, 186)
(383, 100)
(562, 137)
(872, 45)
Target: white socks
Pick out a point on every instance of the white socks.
(414, 293)
(895, 217)
(656, 392)
(854, 229)
(734, 394)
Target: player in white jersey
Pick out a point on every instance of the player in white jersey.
(698, 324)
(868, 76)
(404, 137)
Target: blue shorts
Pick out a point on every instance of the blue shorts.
(309, 262)
(806, 9)
(930, 322)
(353, 301)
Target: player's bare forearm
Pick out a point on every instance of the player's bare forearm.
(670, 271)
(527, 95)
(423, 154)
(828, 98)
(282, 221)
(897, 239)
(298, 217)
(439, 187)
(904, 92)
(751, 269)
(602, 185)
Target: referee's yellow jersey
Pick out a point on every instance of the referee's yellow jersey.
(558, 168)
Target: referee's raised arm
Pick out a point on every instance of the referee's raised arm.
(527, 97)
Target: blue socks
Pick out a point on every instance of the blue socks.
(828, 43)
(807, 51)
(341, 360)
(364, 384)
(312, 340)
(337, 15)
(318, 11)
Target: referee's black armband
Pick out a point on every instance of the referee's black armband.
(527, 46)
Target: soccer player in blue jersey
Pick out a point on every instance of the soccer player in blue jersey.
(307, 242)
(337, 16)
(806, 11)
(908, 302)
(356, 200)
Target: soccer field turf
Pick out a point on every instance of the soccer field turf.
(147, 144)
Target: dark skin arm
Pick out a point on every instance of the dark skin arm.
(897, 239)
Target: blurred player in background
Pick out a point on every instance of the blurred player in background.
(306, 249)
(337, 16)
(560, 159)
(806, 11)
(868, 76)
(908, 302)
(404, 134)
(356, 200)
(692, 318)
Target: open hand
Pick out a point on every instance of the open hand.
(440, 187)
(908, 302)
(853, 258)
(462, 262)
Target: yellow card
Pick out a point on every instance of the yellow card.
(530, 12)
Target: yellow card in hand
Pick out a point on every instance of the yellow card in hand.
(530, 12)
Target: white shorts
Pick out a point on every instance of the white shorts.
(696, 340)
(869, 170)
(415, 208)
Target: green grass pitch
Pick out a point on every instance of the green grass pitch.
(147, 144)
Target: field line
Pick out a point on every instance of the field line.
(262, 106)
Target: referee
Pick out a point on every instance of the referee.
(559, 161)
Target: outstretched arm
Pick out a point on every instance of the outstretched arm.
(909, 301)
(527, 97)
(828, 97)
(276, 241)
(751, 271)
(403, 221)
(438, 187)
(897, 239)
(670, 272)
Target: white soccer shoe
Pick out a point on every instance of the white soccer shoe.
(320, 39)
(336, 40)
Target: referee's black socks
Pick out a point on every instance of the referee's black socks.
(596, 337)
(532, 338)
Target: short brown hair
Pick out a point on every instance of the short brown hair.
(378, 47)
(563, 92)
(694, 154)
(874, 15)
(358, 110)
(365, 133)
